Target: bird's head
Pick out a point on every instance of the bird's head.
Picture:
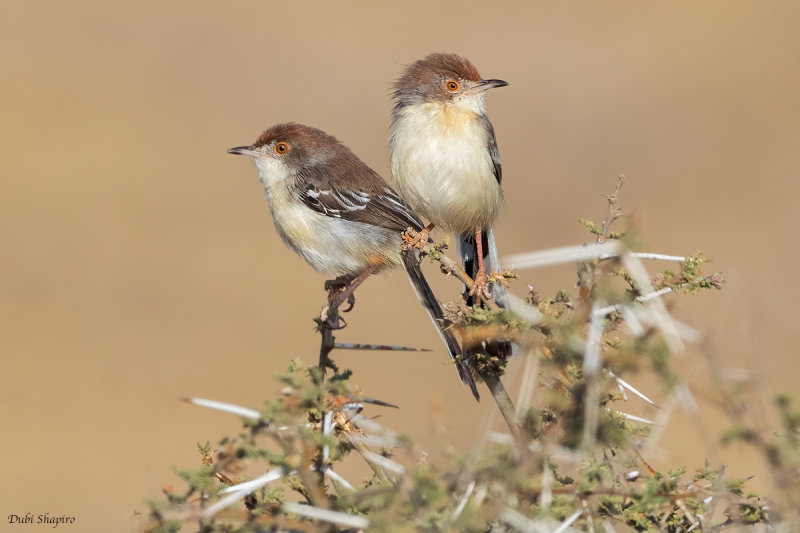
(446, 79)
(286, 149)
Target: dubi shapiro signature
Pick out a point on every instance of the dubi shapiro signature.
(45, 518)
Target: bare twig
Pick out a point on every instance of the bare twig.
(382, 347)
(451, 267)
(528, 381)
(503, 402)
(614, 212)
(326, 345)
(591, 365)
(588, 269)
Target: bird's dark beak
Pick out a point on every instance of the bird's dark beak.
(485, 85)
(243, 150)
(491, 84)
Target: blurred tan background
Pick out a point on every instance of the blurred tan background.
(139, 263)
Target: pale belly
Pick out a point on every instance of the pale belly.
(446, 174)
(332, 245)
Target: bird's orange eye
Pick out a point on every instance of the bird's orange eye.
(281, 148)
(452, 85)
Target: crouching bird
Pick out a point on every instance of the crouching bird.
(340, 215)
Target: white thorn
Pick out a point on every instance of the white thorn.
(383, 462)
(333, 517)
(463, 503)
(622, 383)
(591, 355)
(327, 427)
(565, 254)
(336, 477)
(226, 407)
(239, 491)
(660, 257)
(685, 398)
(501, 438)
(631, 417)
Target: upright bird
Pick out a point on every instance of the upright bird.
(340, 215)
(444, 157)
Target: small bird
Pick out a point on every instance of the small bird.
(444, 157)
(340, 215)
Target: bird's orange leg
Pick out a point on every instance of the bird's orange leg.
(480, 285)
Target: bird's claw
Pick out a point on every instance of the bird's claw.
(480, 285)
(415, 239)
(329, 315)
(351, 302)
(331, 319)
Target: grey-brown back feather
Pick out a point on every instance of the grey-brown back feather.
(494, 152)
(343, 186)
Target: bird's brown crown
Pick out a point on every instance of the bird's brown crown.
(296, 134)
(440, 66)
(301, 145)
(426, 79)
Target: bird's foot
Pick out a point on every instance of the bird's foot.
(337, 295)
(480, 285)
(336, 285)
(336, 288)
(415, 239)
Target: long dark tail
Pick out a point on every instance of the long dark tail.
(428, 299)
(467, 252)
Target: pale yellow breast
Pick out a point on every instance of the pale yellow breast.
(293, 221)
(443, 168)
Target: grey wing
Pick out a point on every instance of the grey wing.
(380, 207)
(491, 145)
(388, 206)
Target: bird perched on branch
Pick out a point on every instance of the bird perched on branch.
(444, 157)
(340, 215)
